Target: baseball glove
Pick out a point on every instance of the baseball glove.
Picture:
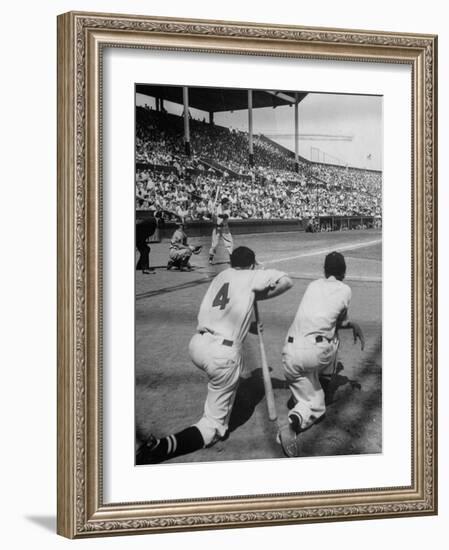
(196, 249)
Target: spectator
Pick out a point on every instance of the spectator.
(271, 189)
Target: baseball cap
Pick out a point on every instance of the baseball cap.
(243, 257)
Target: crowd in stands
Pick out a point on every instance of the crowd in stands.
(219, 166)
(160, 141)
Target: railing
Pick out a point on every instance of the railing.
(203, 228)
(347, 223)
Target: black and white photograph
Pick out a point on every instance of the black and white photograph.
(226, 334)
(258, 287)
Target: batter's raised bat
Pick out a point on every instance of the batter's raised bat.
(272, 415)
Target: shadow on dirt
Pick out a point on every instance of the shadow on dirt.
(331, 384)
(353, 413)
(353, 420)
(249, 394)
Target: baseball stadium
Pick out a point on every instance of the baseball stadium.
(292, 210)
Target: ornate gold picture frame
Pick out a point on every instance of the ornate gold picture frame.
(82, 509)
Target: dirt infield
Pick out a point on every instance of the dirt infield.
(170, 390)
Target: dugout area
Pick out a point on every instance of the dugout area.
(170, 390)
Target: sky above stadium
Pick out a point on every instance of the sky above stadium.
(333, 128)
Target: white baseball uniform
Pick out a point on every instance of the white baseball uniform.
(312, 343)
(221, 230)
(223, 323)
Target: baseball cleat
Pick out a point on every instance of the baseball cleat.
(288, 439)
(146, 454)
(170, 264)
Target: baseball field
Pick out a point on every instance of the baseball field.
(170, 390)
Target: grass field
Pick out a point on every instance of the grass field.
(170, 390)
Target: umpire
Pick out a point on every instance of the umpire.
(144, 229)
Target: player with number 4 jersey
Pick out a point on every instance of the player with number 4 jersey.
(224, 320)
(227, 306)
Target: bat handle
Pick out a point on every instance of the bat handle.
(256, 313)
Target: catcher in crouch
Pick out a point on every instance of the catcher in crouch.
(180, 251)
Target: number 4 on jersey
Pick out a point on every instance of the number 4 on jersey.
(222, 299)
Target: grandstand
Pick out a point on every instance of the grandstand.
(182, 163)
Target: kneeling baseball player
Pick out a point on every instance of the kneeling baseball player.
(223, 322)
(180, 251)
(311, 347)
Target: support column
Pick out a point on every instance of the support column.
(162, 105)
(250, 127)
(296, 133)
(185, 95)
(211, 117)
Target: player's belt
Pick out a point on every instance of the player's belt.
(224, 342)
(318, 339)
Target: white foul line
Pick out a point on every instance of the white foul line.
(324, 251)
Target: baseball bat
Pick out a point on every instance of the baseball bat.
(216, 194)
(272, 415)
(217, 191)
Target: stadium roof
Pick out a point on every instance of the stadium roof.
(215, 100)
